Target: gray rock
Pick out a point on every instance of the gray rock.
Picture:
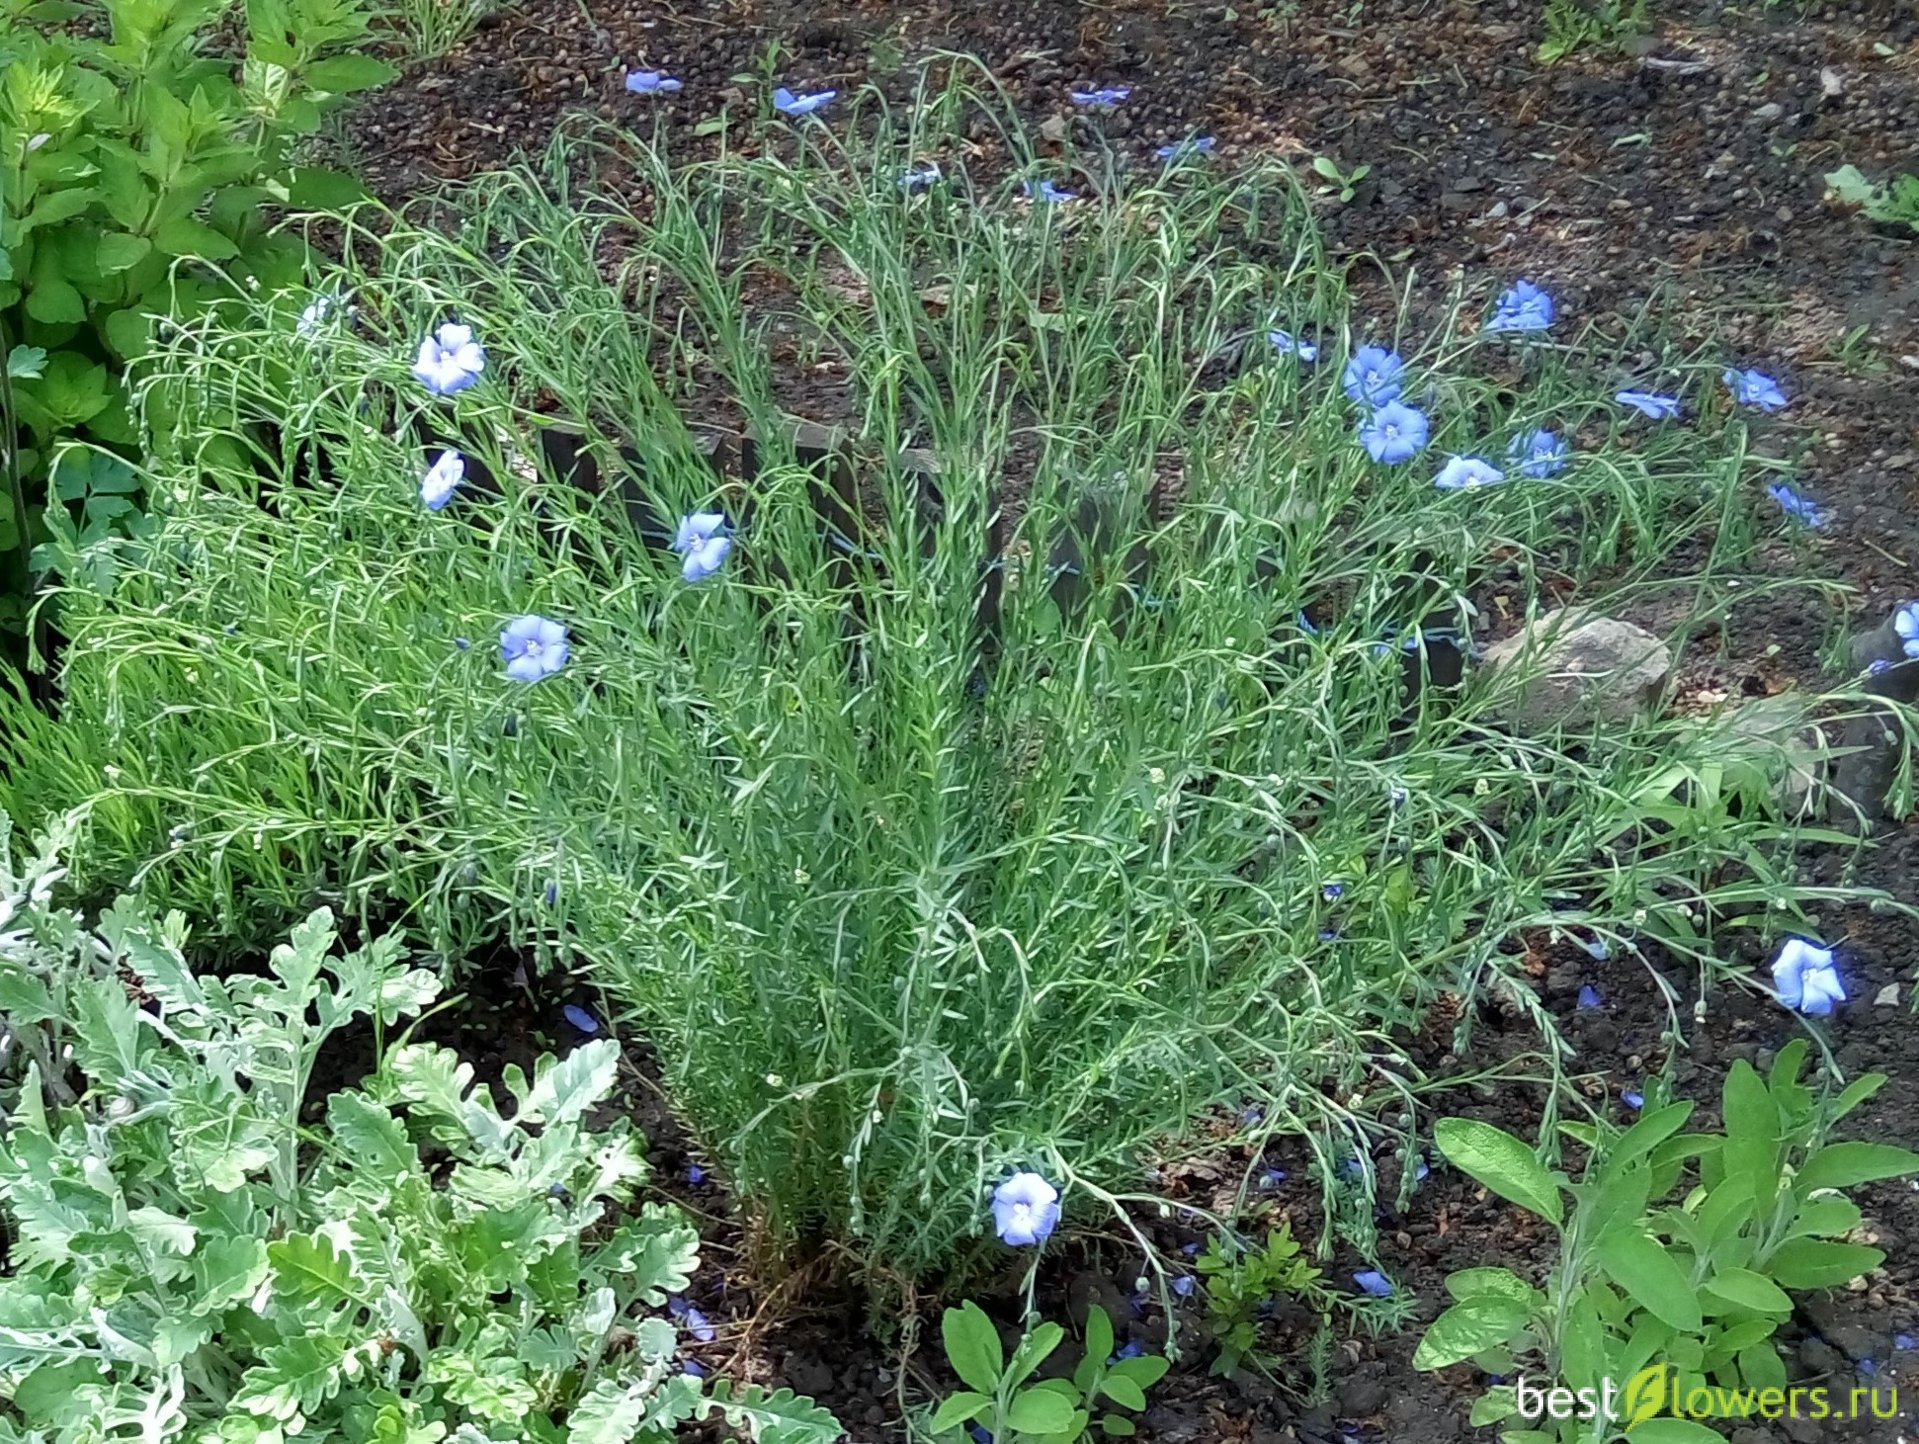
(1873, 741)
(1578, 668)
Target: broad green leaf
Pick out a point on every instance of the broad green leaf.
(1648, 1133)
(344, 74)
(1099, 1333)
(957, 1409)
(1761, 1368)
(1840, 1165)
(1039, 1411)
(219, 1141)
(1810, 1263)
(25, 363)
(973, 1347)
(1667, 1430)
(1499, 1402)
(184, 236)
(227, 1270)
(1829, 1217)
(1034, 1349)
(1501, 1162)
(1123, 1392)
(308, 1271)
(1468, 1283)
(118, 251)
(1583, 1344)
(312, 188)
(55, 302)
(1748, 1290)
(1144, 1370)
(1637, 1264)
(1467, 1328)
(106, 1033)
(437, 1084)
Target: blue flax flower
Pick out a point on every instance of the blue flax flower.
(1465, 473)
(1373, 1282)
(450, 360)
(1649, 403)
(1372, 376)
(693, 1369)
(1194, 146)
(1045, 190)
(533, 647)
(1285, 341)
(1025, 1209)
(787, 103)
(1184, 1285)
(1797, 505)
(1523, 308)
(1754, 388)
(703, 541)
(1905, 622)
(651, 82)
(1104, 98)
(1539, 453)
(1395, 433)
(1807, 978)
(442, 480)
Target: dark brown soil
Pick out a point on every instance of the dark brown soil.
(1687, 172)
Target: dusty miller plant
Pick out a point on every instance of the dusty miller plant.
(190, 1261)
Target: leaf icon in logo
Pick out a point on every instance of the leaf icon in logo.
(1645, 1394)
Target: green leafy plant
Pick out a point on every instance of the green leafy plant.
(429, 29)
(1895, 202)
(1676, 1249)
(1344, 183)
(1055, 1411)
(1607, 24)
(136, 163)
(1240, 1281)
(191, 1257)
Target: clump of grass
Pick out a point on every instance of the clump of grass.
(905, 902)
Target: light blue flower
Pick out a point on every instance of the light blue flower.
(1797, 505)
(1395, 433)
(1197, 145)
(787, 103)
(1465, 473)
(1045, 190)
(1806, 978)
(1372, 1281)
(533, 647)
(1373, 375)
(1595, 948)
(1523, 308)
(1332, 891)
(1286, 342)
(1104, 98)
(651, 82)
(450, 360)
(1184, 1285)
(921, 176)
(1905, 622)
(704, 543)
(442, 479)
(1649, 403)
(1025, 1209)
(1539, 453)
(1754, 388)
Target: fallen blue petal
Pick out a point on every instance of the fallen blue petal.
(580, 1018)
(1373, 1282)
(1589, 996)
(1633, 1099)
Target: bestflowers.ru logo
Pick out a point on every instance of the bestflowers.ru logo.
(1659, 1390)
